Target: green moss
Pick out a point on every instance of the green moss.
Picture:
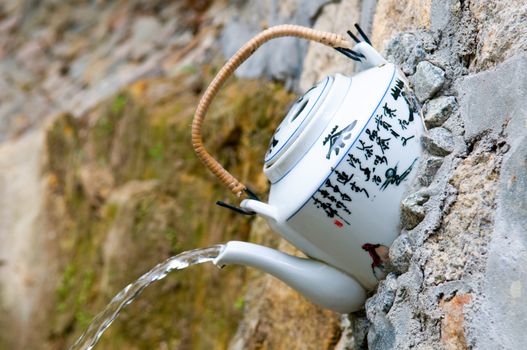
(65, 286)
(110, 211)
(172, 236)
(189, 69)
(75, 290)
(83, 318)
(62, 145)
(137, 139)
(156, 152)
(118, 104)
(239, 303)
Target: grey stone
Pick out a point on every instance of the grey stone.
(469, 215)
(438, 110)
(409, 284)
(354, 330)
(319, 61)
(367, 12)
(145, 35)
(400, 322)
(429, 169)
(501, 321)
(400, 253)
(145, 29)
(427, 80)
(449, 289)
(412, 211)
(441, 13)
(490, 98)
(501, 31)
(406, 51)
(381, 334)
(360, 327)
(383, 300)
(279, 59)
(438, 142)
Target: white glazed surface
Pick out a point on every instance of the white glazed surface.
(297, 119)
(288, 150)
(346, 190)
(321, 283)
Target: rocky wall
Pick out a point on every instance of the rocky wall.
(455, 259)
(457, 273)
(121, 183)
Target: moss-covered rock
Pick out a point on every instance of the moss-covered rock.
(126, 192)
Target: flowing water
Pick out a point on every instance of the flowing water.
(104, 319)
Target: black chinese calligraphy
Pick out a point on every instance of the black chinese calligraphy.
(372, 165)
(380, 160)
(368, 150)
(336, 189)
(403, 123)
(367, 172)
(343, 178)
(352, 160)
(336, 139)
(374, 136)
(389, 124)
(387, 111)
(392, 178)
(394, 133)
(405, 139)
(382, 123)
(397, 89)
(376, 179)
(334, 196)
(338, 204)
(330, 210)
(400, 89)
(346, 179)
(412, 106)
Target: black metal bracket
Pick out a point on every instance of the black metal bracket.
(239, 210)
(362, 34)
(354, 55)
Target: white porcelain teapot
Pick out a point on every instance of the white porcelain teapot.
(339, 164)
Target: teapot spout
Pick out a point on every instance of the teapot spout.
(321, 283)
(267, 211)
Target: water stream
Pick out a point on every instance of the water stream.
(104, 319)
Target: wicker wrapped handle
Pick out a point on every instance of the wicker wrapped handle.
(329, 39)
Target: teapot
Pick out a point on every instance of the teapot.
(339, 164)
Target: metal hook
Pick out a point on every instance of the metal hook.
(354, 55)
(251, 194)
(235, 209)
(239, 210)
(362, 34)
(353, 36)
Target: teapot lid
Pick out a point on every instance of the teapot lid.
(302, 125)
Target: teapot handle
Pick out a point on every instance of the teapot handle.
(330, 39)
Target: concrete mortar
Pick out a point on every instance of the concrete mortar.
(460, 272)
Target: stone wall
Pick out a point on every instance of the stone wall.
(458, 277)
(458, 273)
